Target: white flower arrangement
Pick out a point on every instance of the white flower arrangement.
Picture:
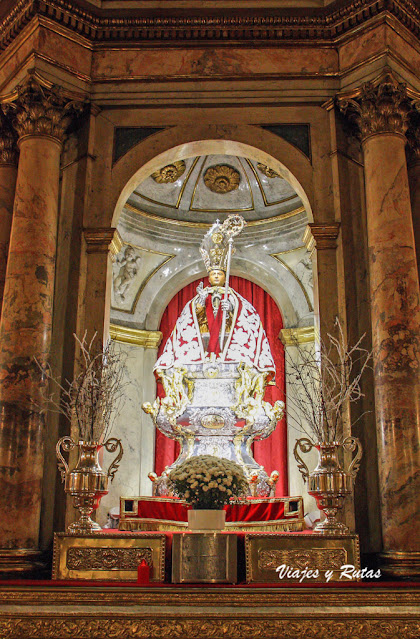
(208, 482)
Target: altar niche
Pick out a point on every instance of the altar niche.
(162, 216)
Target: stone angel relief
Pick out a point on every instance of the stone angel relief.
(128, 267)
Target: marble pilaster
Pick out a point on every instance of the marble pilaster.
(321, 242)
(40, 116)
(381, 115)
(8, 173)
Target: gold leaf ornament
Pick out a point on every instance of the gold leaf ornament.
(222, 178)
(270, 173)
(169, 173)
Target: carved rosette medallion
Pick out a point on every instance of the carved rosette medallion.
(169, 173)
(270, 173)
(222, 178)
(38, 109)
(378, 108)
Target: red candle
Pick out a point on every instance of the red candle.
(143, 572)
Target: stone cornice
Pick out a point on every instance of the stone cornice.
(222, 25)
(147, 339)
(296, 336)
(321, 236)
(101, 240)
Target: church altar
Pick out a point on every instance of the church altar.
(159, 513)
(211, 557)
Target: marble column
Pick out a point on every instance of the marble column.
(40, 116)
(380, 112)
(8, 173)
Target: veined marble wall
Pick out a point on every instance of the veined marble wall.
(135, 429)
(292, 354)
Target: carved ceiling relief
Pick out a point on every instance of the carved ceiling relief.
(222, 178)
(169, 173)
(270, 173)
(192, 187)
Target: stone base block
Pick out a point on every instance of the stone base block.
(305, 558)
(403, 565)
(200, 558)
(107, 557)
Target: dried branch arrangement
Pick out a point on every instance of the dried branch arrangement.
(323, 383)
(93, 399)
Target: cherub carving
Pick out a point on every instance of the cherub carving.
(304, 272)
(129, 264)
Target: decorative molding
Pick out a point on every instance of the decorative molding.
(147, 339)
(222, 26)
(321, 236)
(8, 148)
(203, 225)
(401, 565)
(293, 336)
(318, 559)
(265, 170)
(40, 108)
(258, 599)
(211, 625)
(94, 558)
(381, 106)
(101, 240)
(116, 244)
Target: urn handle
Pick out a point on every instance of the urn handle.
(67, 444)
(305, 446)
(351, 444)
(111, 446)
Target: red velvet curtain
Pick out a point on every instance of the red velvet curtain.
(272, 452)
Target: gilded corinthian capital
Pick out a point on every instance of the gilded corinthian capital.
(381, 107)
(38, 108)
(8, 139)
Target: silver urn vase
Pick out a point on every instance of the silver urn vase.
(87, 483)
(329, 483)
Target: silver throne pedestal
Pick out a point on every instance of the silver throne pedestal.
(216, 409)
